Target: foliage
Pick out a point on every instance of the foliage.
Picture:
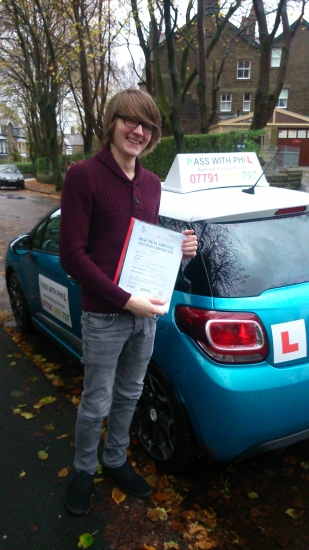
(25, 168)
(16, 155)
(160, 160)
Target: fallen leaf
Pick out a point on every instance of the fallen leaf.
(47, 400)
(171, 544)
(49, 427)
(156, 514)
(290, 460)
(305, 465)
(22, 474)
(63, 472)
(118, 496)
(13, 363)
(62, 436)
(17, 411)
(85, 541)
(43, 455)
(194, 528)
(253, 495)
(293, 513)
(205, 544)
(27, 416)
(17, 393)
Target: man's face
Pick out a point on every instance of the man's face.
(129, 142)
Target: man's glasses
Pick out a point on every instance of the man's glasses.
(134, 123)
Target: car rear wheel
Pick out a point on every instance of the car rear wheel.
(162, 424)
(18, 304)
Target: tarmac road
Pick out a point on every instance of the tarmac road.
(32, 512)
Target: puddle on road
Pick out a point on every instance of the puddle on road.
(11, 196)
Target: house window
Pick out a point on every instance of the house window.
(2, 147)
(275, 57)
(282, 102)
(282, 134)
(226, 102)
(243, 69)
(246, 103)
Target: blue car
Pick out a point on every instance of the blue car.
(230, 367)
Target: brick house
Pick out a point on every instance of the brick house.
(73, 143)
(12, 138)
(238, 81)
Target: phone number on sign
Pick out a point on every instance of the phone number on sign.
(225, 177)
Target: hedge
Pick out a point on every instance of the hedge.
(161, 159)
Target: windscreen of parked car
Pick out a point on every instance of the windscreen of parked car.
(245, 258)
(9, 169)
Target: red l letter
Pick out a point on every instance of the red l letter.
(286, 346)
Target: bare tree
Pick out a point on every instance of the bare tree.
(267, 95)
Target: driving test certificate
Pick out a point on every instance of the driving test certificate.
(150, 261)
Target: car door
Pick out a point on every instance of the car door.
(55, 296)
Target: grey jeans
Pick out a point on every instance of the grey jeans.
(116, 353)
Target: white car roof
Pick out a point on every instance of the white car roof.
(223, 187)
(229, 203)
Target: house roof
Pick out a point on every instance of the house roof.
(280, 117)
(303, 22)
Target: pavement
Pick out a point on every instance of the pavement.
(45, 188)
(32, 511)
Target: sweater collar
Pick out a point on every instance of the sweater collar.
(107, 158)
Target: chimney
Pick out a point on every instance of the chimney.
(248, 24)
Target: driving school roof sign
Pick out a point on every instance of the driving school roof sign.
(193, 172)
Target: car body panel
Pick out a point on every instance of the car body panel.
(235, 408)
(10, 176)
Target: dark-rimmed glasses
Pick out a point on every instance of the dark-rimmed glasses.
(133, 123)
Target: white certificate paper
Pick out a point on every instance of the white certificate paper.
(152, 262)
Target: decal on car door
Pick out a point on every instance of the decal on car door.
(289, 341)
(55, 300)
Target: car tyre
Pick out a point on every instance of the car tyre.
(162, 424)
(18, 304)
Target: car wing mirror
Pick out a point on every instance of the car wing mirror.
(22, 244)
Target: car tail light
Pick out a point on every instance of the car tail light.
(291, 210)
(228, 337)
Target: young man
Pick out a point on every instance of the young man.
(98, 200)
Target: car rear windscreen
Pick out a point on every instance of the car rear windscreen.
(245, 258)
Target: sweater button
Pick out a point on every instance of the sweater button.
(135, 186)
(137, 200)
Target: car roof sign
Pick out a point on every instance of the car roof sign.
(195, 172)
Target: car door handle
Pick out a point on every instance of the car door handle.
(71, 279)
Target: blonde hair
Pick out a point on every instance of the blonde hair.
(134, 103)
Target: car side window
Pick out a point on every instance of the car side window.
(50, 239)
(192, 275)
(37, 237)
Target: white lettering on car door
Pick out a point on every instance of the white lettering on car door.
(289, 340)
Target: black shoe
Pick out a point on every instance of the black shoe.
(78, 500)
(129, 480)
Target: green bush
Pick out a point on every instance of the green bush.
(45, 178)
(26, 168)
(42, 166)
(161, 159)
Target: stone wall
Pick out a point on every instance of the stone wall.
(290, 179)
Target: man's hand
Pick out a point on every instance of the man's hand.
(144, 306)
(189, 245)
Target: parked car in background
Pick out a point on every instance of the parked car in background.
(230, 366)
(11, 176)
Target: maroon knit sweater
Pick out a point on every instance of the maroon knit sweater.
(98, 201)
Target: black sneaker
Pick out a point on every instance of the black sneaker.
(129, 480)
(78, 500)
